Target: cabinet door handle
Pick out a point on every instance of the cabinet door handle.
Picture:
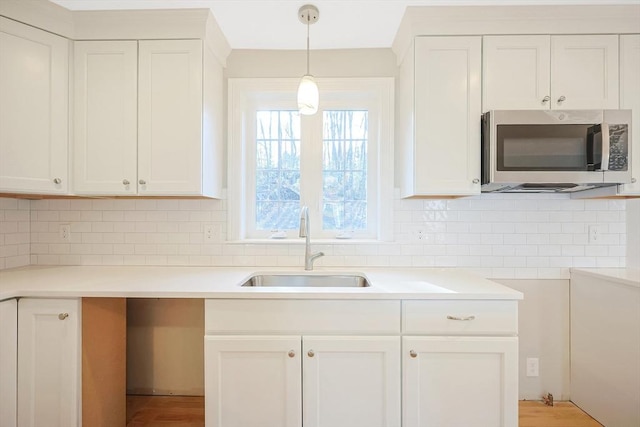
(413, 354)
(142, 182)
(633, 180)
(310, 353)
(57, 181)
(292, 353)
(461, 318)
(562, 98)
(63, 316)
(125, 182)
(546, 99)
(476, 181)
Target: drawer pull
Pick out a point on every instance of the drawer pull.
(292, 353)
(467, 318)
(310, 353)
(63, 316)
(413, 354)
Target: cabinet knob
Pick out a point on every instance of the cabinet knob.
(633, 180)
(310, 353)
(546, 99)
(63, 316)
(413, 354)
(57, 181)
(125, 182)
(142, 182)
(476, 181)
(562, 98)
(292, 353)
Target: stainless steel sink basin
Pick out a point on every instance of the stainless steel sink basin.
(309, 280)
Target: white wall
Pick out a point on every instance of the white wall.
(633, 233)
(15, 236)
(544, 334)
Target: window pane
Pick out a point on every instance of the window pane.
(344, 178)
(277, 170)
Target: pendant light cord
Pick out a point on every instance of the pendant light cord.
(308, 19)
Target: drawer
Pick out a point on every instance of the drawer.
(336, 317)
(461, 317)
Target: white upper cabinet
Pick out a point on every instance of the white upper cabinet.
(630, 99)
(440, 107)
(584, 72)
(34, 94)
(170, 152)
(516, 72)
(105, 122)
(557, 72)
(147, 118)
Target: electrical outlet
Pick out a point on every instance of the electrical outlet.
(532, 367)
(65, 232)
(594, 233)
(208, 232)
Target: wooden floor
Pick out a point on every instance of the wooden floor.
(163, 411)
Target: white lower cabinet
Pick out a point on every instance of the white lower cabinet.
(351, 381)
(49, 362)
(460, 381)
(253, 381)
(260, 381)
(8, 362)
(361, 363)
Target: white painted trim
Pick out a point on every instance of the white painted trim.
(380, 90)
(45, 15)
(540, 19)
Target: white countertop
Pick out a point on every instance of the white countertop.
(626, 276)
(224, 282)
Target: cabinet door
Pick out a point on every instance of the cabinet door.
(516, 72)
(253, 381)
(170, 117)
(48, 373)
(351, 381)
(8, 362)
(105, 123)
(33, 109)
(447, 115)
(584, 72)
(630, 99)
(461, 381)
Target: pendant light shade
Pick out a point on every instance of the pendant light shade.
(308, 95)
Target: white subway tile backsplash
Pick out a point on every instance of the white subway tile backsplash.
(496, 235)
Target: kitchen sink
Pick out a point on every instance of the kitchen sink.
(309, 280)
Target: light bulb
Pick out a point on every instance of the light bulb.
(308, 96)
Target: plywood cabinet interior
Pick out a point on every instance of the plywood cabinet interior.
(550, 72)
(34, 94)
(439, 109)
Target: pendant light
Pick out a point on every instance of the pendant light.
(308, 96)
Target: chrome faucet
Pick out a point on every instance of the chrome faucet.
(304, 232)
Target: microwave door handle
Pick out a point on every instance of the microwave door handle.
(606, 147)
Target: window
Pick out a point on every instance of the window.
(337, 162)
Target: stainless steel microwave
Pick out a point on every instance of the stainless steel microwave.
(547, 150)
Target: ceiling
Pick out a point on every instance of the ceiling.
(273, 24)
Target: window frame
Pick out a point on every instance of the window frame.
(248, 95)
